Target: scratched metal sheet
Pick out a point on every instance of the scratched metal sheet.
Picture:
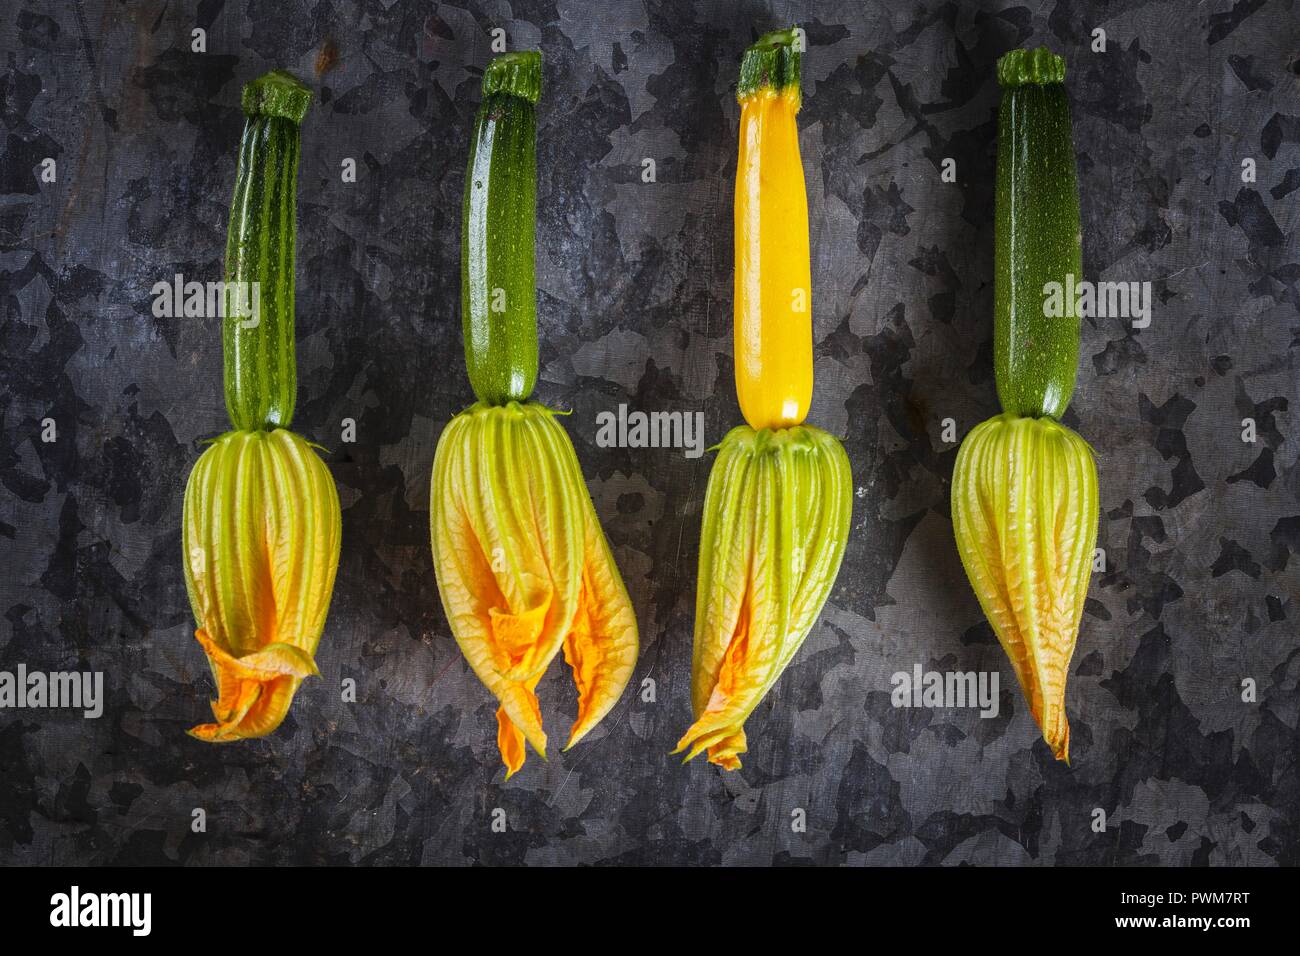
(1200, 528)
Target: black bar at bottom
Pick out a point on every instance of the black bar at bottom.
(336, 904)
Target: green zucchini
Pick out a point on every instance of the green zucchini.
(1036, 236)
(261, 377)
(497, 271)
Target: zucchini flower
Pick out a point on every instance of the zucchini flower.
(261, 533)
(776, 521)
(524, 569)
(1024, 510)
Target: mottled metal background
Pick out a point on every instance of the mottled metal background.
(1201, 529)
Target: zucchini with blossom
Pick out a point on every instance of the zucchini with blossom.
(1024, 487)
(779, 498)
(261, 527)
(523, 567)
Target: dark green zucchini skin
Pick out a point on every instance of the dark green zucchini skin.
(261, 376)
(1037, 236)
(498, 271)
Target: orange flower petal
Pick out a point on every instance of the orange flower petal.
(253, 692)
